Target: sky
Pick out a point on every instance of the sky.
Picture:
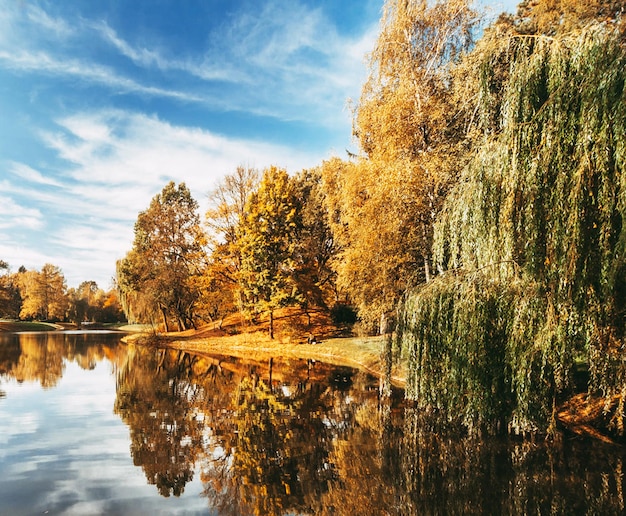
(103, 103)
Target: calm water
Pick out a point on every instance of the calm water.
(91, 426)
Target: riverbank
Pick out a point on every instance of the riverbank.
(17, 326)
(363, 353)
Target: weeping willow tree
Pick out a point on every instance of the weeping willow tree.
(530, 243)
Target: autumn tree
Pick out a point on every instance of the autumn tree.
(404, 110)
(315, 245)
(82, 301)
(379, 253)
(227, 202)
(44, 294)
(158, 273)
(267, 240)
(89, 302)
(384, 204)
(226, 210)
(111, 308)
(552, 17)
(10, 301)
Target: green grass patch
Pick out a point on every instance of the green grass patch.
(13, 326)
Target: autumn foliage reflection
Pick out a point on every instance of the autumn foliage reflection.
(42, 357)
(315, 439)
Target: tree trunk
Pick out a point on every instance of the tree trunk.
(164, 315)
(386, 329)
(271, 324)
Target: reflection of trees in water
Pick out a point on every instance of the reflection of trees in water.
(447, 473)
(9, 354)
(30, 357)
(157, 400)
(260, 449)
(40, 359)
(323, 443)
(278, 444)
(365, 461)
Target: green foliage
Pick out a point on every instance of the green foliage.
(486, 353)
(537, 215)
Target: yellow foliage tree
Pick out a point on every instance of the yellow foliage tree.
(383, 206)
(43, 293)
(267, 239)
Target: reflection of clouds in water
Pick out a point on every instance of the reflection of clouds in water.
(64, 450)
(13, 425)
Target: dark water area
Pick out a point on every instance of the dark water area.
(89, 425)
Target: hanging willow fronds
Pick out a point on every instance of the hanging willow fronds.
(545, 190)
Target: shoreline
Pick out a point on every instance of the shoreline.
(361, 353)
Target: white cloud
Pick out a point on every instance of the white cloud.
(304, 68)
(115, 162)
(14, 214)
(31, 175)
(17, 254)
(57, 26)
(203, 67)
(117, 148)
(43, 62)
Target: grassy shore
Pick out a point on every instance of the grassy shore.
(254, 343)
(14, 326)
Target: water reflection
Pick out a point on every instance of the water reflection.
(301, 437)
(158, 400)
(41, 356)
(452, 475)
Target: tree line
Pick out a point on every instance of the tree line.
(265, 245)
(43, 296)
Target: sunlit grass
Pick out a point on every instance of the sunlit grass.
(236, 339)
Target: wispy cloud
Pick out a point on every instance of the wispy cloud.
(31, 175)
(302, 64)
(203, 67)
(56, 26)
(285, 60)
(43, 62)
(14, 214)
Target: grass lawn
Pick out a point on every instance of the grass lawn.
(6, 325)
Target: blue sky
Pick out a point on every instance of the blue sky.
(102, 103)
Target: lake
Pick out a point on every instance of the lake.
(89, 425)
